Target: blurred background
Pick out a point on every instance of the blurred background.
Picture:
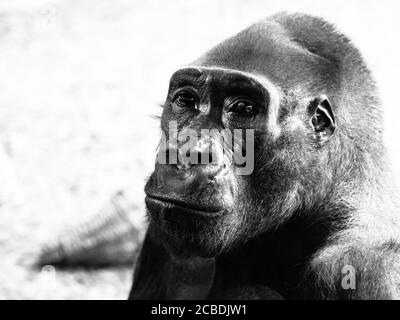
(79, 82)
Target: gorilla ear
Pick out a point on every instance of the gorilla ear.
(322, 119)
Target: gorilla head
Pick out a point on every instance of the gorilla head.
(307, 98)
(314, 197)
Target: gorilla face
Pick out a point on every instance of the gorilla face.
(197, 202)
(244, 157)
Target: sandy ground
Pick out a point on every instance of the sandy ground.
(79, 81)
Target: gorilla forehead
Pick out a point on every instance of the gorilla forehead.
(221, 78)
(268, 50)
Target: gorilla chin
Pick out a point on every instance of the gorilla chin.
(186, 230)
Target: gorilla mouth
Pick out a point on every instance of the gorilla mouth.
(168, 206)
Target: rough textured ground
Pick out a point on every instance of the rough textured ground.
(80, 78)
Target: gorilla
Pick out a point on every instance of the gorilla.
(317, 218)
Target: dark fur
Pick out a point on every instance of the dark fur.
(309, 208)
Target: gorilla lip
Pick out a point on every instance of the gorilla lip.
(161, 203)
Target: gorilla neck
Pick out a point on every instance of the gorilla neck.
(274, 259)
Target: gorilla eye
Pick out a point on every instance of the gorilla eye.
(186, 98)
(248, 108)
(241, 106)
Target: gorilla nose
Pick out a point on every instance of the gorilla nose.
(200, 160)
